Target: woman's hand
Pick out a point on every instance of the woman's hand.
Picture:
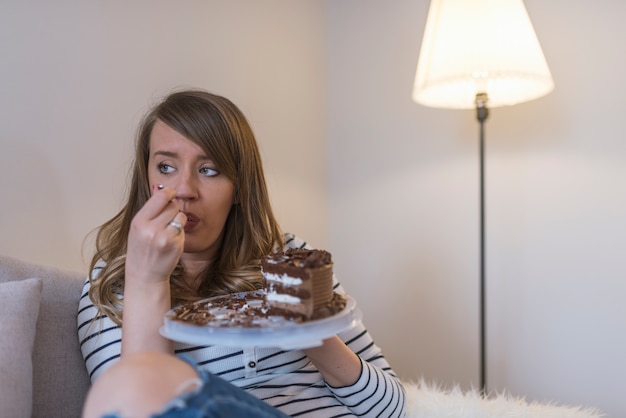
(155, 243)
(154, 248)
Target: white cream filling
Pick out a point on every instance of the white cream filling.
(282, 298)
(283, 278)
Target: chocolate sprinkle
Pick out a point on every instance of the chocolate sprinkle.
(248, 310)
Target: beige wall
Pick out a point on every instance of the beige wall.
(355, 166)
(404, 206)
(77, 76)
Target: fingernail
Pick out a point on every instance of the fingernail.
(160, 186)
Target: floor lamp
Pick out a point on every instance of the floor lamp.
(479, 54)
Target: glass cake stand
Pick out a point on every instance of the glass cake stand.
(266, 332)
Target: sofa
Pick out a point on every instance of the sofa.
(43, 375)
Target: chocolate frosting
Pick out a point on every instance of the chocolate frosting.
(300, 258)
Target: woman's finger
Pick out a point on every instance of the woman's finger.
(178, 222)
(160, 201)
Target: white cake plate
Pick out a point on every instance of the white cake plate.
(287, 335)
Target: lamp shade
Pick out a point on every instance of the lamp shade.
(479, 46)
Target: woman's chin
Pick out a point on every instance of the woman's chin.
(193, 248)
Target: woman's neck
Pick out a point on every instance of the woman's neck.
(193, 270)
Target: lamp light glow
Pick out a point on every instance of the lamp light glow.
(479, 46)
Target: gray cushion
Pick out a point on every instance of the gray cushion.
(19, 307)
(60, 379)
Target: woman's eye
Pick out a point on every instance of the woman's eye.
(165, 169)
(208, 171)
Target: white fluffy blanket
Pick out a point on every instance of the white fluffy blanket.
(430, 401)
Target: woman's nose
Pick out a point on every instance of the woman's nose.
(186, 187)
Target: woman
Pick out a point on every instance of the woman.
(196, 222)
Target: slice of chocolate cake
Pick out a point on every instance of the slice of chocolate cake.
(298, 280)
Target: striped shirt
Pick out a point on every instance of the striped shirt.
(285, 379)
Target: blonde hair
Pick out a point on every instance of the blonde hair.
(216, 125)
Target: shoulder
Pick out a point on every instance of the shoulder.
(292, 241)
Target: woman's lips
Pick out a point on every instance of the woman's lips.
(192, 221)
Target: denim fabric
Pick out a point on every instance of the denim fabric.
(216, 398)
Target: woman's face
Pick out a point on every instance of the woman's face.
(203, 193)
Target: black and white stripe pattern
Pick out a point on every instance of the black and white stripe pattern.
(284, 379)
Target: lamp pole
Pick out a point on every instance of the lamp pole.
(462, 54)
(481, 114)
